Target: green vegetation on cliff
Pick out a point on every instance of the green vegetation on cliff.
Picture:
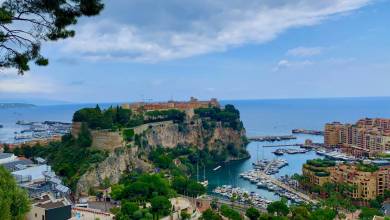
(136, 189)
(113, 118)
(14, 203)
(229, 116)
(107, 119)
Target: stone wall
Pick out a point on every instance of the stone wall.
(106, 140)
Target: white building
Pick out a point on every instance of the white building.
(7, 157)
(32, 174)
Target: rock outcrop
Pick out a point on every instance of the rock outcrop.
(194, 133)
(119, 161)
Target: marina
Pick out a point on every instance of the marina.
(242, 196)
(269, 167)
(40, 130)
(229, 173)
(283, 187)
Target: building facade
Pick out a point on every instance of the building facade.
(367, 137)
(367, 181)
(192, 104)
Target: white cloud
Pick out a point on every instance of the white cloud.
(172, 29)
(305, 51)
(285, 64)
(26, 84)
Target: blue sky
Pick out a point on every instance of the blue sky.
(225, 49)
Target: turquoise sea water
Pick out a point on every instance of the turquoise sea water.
(260, 117)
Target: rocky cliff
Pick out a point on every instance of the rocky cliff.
(199, 132)
(195, 133)
(119, 161)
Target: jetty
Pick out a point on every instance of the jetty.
(272, 138)
(305, 131)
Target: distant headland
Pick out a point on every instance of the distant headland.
(16, 105)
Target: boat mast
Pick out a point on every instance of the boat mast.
(197, 171)
(204, 172)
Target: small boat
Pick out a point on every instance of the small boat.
(217, 168)
(1, 126)
(279, 152)
(204, 183)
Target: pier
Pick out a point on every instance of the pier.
(272, 138)
(283, 145)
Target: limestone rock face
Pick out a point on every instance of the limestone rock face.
(194, 134)
(165, 134)
(118, 162)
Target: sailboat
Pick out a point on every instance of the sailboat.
(205, 182)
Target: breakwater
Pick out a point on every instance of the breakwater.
(272, 138)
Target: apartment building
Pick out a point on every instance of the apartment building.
(367, 137)
(332, 134)
(367, 180)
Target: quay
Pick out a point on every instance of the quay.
(272, 138)
(287, 188)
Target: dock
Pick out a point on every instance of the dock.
(272, 138)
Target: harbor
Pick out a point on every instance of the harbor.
(35, 131)
(229, 173)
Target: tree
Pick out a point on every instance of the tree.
(84, 139)
(368, 213)
(279, 207)
(210, 215)
(128, 209)
(230, 213)
(161, 206)
(24, 24)
(252, 213)
(184, 215)
(14, 202)
(323, 214)
(299, 213)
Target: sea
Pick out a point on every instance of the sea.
(260, 117)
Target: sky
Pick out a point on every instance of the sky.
(228, 49)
